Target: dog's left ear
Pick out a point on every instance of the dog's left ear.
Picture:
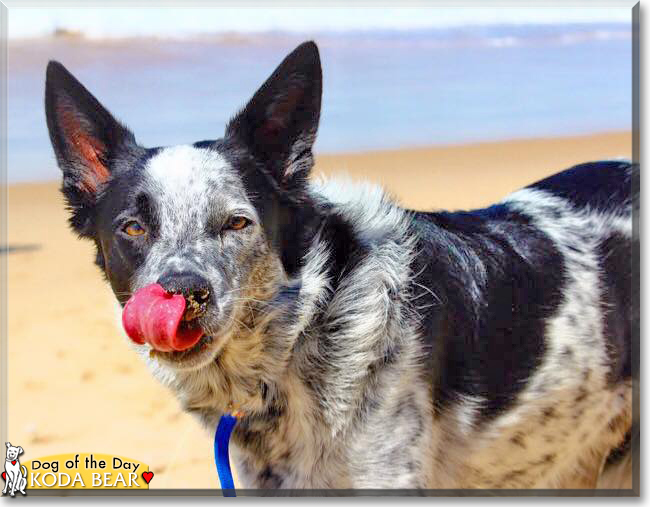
(278, 125)
(86, 139)
(20, 450)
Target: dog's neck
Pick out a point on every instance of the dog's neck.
(251, 373)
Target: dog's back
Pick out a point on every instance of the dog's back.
(529, 325)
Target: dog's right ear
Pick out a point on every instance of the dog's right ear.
(8, 444)
(85, 138)
(279, 124)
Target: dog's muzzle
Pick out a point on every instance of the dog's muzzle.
(164, 314)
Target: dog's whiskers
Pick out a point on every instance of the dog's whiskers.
(429, 291)
(242, 324)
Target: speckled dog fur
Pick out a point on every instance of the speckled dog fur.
(367, 345)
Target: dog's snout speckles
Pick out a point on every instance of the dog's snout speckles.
(197, 302)
(193, 287)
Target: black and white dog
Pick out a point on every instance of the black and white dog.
(366, 345)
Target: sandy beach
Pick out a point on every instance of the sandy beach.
(75, 386)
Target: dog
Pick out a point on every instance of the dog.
(15, 480)
(365, 345)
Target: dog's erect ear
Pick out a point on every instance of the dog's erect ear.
(8, 444)
(85, 138)
(278, 125)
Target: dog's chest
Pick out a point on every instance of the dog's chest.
(11, 465)
(387, 444)
(365, 459)
(280, 455)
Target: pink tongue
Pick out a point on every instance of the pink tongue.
(153, 315)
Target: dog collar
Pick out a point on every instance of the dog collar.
(226, 424)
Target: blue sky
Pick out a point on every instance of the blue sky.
(117, 22)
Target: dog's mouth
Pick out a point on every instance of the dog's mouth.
(171, 326)
(162, 319)
(196, 356)
(205, 351)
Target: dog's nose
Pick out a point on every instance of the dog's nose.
(193, 287)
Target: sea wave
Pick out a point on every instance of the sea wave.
(498, 36)
(190, 20)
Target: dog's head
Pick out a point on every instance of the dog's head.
(13, 452)
(220, 222)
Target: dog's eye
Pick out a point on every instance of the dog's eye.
(237, 223)
(133, 228)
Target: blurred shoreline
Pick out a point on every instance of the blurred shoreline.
(494, 35)
(557, 31)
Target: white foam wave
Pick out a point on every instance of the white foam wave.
(186, 22)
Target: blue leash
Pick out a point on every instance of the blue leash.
(221, 458)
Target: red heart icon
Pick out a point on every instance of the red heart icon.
(4, 475)
(147, 476)
(13, 462)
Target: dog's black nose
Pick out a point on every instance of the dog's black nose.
(193, 287)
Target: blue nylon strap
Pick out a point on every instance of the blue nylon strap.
(221, 457)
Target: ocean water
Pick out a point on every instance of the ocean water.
(382, 89)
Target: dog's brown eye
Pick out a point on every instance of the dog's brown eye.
(133, 228)
(237, 223)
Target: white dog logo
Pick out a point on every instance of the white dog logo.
(12, 475)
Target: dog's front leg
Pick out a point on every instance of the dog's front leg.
(12, 487)
(4, 491)
(14, 483)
